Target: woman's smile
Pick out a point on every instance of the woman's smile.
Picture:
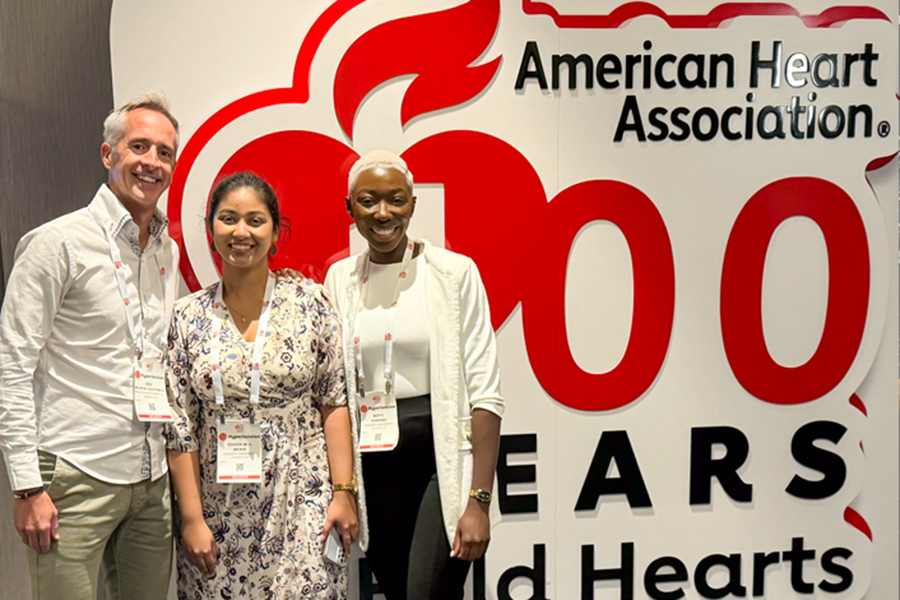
(242, 229)
(382, 204)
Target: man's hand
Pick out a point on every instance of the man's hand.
(290, 275)
(473, 534)
(37, 521)
(200, 546)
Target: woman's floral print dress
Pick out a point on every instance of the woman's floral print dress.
(267, 533)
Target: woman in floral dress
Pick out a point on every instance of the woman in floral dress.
(260, 536)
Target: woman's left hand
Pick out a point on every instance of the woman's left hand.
(473, 534)
(342, 515)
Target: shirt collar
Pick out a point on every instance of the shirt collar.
(112, 215)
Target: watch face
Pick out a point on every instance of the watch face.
(481, 496)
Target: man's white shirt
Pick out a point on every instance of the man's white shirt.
(66, 354)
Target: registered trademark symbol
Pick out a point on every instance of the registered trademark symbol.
(884, 128)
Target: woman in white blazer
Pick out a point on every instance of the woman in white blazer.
(424, 387)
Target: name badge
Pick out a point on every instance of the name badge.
(379, 427)
(238, 452)
(150, 400)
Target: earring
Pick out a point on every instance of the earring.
(273, 250)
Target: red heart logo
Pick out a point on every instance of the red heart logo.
(524, 260)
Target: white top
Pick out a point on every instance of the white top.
(410, 335)
(464, 368)
(65, 349)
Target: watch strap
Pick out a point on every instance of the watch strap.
(26, 494)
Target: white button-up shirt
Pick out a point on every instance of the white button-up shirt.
(66, 353)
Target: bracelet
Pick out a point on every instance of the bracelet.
(347, 486)
(26, 494)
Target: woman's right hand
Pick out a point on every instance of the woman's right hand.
(200, 546)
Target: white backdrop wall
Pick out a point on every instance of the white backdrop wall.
(685, 215)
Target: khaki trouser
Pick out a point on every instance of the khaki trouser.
(124, 529)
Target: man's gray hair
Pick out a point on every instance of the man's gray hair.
(114, 125)
(378, 158)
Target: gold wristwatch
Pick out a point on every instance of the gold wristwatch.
(348, 486)
(481, 495)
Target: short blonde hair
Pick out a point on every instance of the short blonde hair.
(114, 125)
(374, 159)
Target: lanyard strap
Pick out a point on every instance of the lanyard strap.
(218, 326)
(389, 325)
(130, 318)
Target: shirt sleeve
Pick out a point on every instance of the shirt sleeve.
(181, 433)
(478, 345)
(40, 278)
(330, 385)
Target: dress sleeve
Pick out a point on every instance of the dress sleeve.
(478, 345)
(330, 386)
(181, 434)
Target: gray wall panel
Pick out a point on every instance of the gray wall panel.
(55, 91)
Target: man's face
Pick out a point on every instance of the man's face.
(140, 165)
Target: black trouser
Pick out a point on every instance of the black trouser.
(408, 549)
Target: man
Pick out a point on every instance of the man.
(82, 335)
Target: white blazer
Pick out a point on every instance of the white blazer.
(465, 374)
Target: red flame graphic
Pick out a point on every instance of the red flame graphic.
(438, 47)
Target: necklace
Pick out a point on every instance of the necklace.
(239, 313)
